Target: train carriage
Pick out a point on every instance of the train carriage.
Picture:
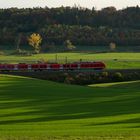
(92, 65)
(7, 67)
(22, 67)
(56, 67)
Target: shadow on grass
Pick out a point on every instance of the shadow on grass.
(135, 122)
(40, 101)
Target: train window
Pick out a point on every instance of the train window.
(55, 66)
(91, 65)
(98, 65)
(34, 66)
(74, 65)
(43, 66)
(3, 66)
(22, 66)
(81, 65)
(10, 66)
(66, 65)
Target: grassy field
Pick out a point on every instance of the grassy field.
(45, 110)
(113, 60)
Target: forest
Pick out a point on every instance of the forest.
(82, 26)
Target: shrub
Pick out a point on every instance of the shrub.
(117, 76)
(21, 52)
(1, 53)
(105, 74)
(69, 80)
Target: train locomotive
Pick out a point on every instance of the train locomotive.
(53, 66)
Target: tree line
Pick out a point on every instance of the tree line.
(82, 26)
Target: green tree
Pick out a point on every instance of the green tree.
(17, 42)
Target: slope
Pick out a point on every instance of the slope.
(31, 107)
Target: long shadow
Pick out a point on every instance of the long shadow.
(135, 121)
(42, 101)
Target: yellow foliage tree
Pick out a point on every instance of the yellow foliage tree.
(35, 41)
(112, 46)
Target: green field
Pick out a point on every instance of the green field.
(47, 110)
(113, 60)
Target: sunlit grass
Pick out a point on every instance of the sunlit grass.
(112, 60)
(41, 109)
(114, 84)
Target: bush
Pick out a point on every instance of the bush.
(105, 74)
(69, 80)
(21, 52)
(117, 76)
(2, 53)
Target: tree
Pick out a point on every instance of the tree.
(35, 41)
(81, 26)
(18, 41)
(68, 45)
(112, 46)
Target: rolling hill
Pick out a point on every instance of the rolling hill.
(42, 109)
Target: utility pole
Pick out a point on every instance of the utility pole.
(56, 58)
(66, 60)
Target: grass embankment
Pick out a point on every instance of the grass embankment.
(43, 110)
(60, 48)
(112, 60)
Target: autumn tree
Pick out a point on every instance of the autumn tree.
(112, 46)
(35, 41)
(68, 45)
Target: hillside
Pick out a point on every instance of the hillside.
(38, 108)
(82, 26)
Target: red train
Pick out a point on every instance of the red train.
(53, 66)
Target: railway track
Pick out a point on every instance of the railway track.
(44, 74)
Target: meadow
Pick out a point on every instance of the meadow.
(112, 60)
(37, 109)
